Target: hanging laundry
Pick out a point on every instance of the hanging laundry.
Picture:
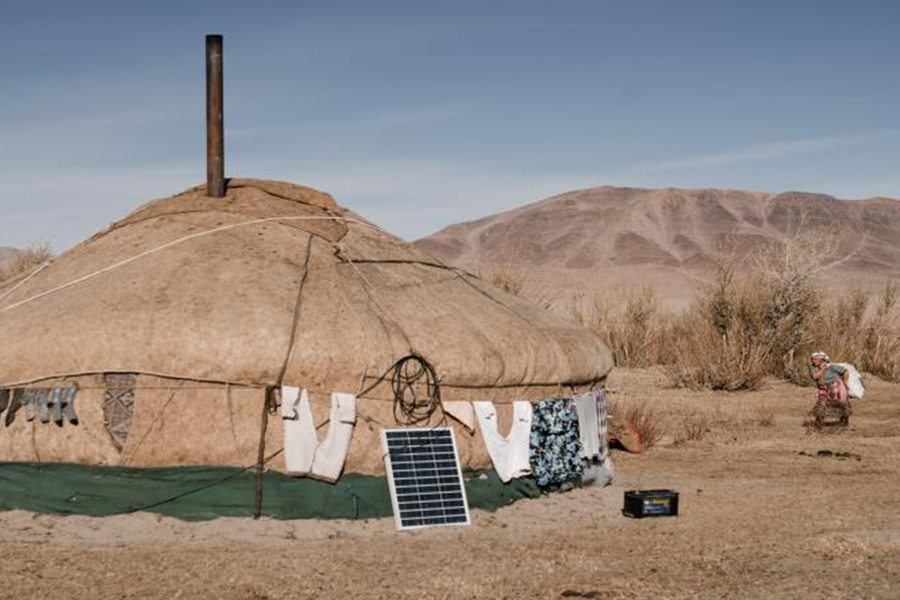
(14, 404)
(555, 444)
(332, 453)
(588, 426)
(462, 412)
(300, 438)
(67, 404)
(510, 454)
(56, 403)
(4, 399)
(28, 401)
(303, 453)
(599, 470)
(42, 398)
(603, 427)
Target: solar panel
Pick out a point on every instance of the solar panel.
(424, 477)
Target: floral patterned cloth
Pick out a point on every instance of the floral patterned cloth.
(834, 393)
(832, 400)
(555, 444)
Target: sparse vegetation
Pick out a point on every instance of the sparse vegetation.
(509, 276)
(23, 261)
(764, 416)
(700, 357)
(644, 419)
(629, 324)
(692, 428)
(750, 321)
(753, 319)
(863, 328)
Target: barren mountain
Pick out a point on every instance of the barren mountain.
(670, 229)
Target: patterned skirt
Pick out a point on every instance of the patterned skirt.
(832, 394)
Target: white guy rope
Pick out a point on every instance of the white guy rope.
(163, 247)
(40, 268)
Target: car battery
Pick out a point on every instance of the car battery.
(650, 503)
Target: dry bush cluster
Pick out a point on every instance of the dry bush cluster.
(647, 421)
(509, 276)
(642, 417)
(864, 329)
(753, 319)
(24, 261)
(692, 428)
(652, 423)
(630, 326)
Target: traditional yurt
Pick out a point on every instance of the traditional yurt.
(249, 323)
(176, 324)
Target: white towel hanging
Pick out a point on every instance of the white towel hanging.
(588, 426)
(511, 455)
(304, 455)
(462, 412)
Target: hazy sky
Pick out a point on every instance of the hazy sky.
(421, 114)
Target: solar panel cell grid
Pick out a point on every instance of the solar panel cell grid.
(425, 478)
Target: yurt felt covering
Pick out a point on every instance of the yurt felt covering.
(209, 301)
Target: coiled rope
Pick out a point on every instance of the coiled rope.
(410, 376)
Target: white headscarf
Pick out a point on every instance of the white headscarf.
(822, 355)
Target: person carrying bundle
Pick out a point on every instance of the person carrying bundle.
(831, 389)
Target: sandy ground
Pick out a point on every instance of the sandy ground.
(763, 515)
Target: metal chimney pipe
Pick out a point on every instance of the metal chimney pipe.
(215, 134)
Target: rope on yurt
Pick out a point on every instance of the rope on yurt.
(407, 404)
(201, 488)
(368, 288)
(149, 429)
(40, 268)
(180, 240)
(270, 406)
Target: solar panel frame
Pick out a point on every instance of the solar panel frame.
(425, 478)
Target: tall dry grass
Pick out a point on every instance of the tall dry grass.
(24, 261)
(643, 418)
(863, 328)
(509, 276)
(753, 319)
(630, 325)
(692, 428)
(764, 318)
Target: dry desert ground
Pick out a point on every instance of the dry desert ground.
(766, 512)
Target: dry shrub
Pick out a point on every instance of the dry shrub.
(647, 421)
(629, 324)
(863, 328)
(692, 428)
(24, 261)
(751, 320)
(509, 276)
(701, 358)
(881, 337)
(764, 416)
(756, 318)
(787, 273)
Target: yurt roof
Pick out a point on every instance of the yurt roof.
(275, 284)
